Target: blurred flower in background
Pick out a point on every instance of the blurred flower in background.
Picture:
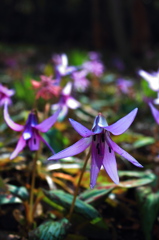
(66, 101)
(5, 95)
(46, 88)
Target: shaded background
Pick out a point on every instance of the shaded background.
(121, 26)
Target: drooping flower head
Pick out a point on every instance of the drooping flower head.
(30, 131)
(80, 80)
(103, 148)
(61, 65)
(5, 95)
(66, 101)
(46, 88)
(153, 80)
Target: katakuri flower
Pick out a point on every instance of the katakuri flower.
(61, 66)
(5, 95)
(124, 85)
(153, 80)
(47, 87)
(66, 101)
(103, 148)
(30, 131)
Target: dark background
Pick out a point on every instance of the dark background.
(122, 26)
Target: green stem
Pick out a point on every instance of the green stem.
(78, 185)
(32, 189)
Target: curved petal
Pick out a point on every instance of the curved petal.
(20, 145)
(123, 153)
(75, 149)
(96, 161)
(46, 124)
(155, 113)
(123, 124)
(109, 163)
(148, 77)
(44, 141)
(10, 123)
(72, 103)
(83, 131)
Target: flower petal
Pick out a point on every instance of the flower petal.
(72, 103)
(148, 77)
(123, 153)
(109, 163)
(76, 148)
(20, 145)
(46, 124)
(83, 131)
(34, 141)
(67, 89)
(155, 112)
(48, 145)
(96, 161)
(123, 124)
(10, 123)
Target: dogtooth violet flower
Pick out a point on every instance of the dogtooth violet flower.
(5, 95)
(46, 88)
(30, 131)
(153, 80)
(103, 148)
(66, 101)
(61, 65)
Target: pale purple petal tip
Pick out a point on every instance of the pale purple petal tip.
(20, 145)
(155, 112)
(109, 163)
(124, 154)
(76, 148)
(10, 123)
(123, 124)
(46, 124)
(83, 131)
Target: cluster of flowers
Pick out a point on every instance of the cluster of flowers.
(103, 148)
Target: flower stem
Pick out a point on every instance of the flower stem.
(78, 185)
(30, 220)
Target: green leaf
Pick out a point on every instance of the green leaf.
(8, 198)
(95, 194)
(148, 206)
(137, 178)
(20, 192)
(50, 230)
(65, 200)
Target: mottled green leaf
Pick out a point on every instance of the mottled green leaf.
(50, 230)
(95, 194)
(148, 202)
(65, 200)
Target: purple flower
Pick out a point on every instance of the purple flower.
(66, 101)
(102, 147)
(124, 85)
(80, 80)
(30, 131)
(94, 66)
(61, 66)
(5, 95)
